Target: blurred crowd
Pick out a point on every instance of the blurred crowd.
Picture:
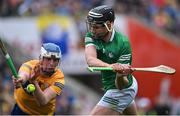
(162, 14)
(6, 88)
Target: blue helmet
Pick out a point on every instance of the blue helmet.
(49, 50)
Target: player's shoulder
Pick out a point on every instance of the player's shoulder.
(59, 73)
(88, 38)
(88, 34)
(120, 35)
(31, 62)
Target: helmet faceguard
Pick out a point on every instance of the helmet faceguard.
(52, 51)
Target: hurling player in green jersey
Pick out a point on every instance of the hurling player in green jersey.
(106, 47)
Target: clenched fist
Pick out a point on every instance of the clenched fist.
(124, 69)
(17, 82)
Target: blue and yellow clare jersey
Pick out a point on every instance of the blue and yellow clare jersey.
(116, 50)
(27, 102)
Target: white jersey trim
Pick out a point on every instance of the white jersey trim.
(125, 57)
(90, 44)
(112, 36)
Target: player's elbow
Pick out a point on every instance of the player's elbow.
(90, 61)
(43, 103)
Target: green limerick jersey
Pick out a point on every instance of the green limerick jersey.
(117, 50)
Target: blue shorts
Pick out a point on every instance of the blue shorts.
(17, 111)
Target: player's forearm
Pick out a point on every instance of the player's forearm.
(121, 81)
(23, 76)
(92, 61)
(39, 95)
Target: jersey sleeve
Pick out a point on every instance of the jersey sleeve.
(58, 84)
(88, 39)
(25, 68)
(126, 53)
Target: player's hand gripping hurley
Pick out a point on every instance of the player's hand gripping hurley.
(8, 59)
(158, 69)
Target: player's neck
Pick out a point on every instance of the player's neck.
(107, 37)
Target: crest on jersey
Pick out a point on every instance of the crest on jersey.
(111, 55)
